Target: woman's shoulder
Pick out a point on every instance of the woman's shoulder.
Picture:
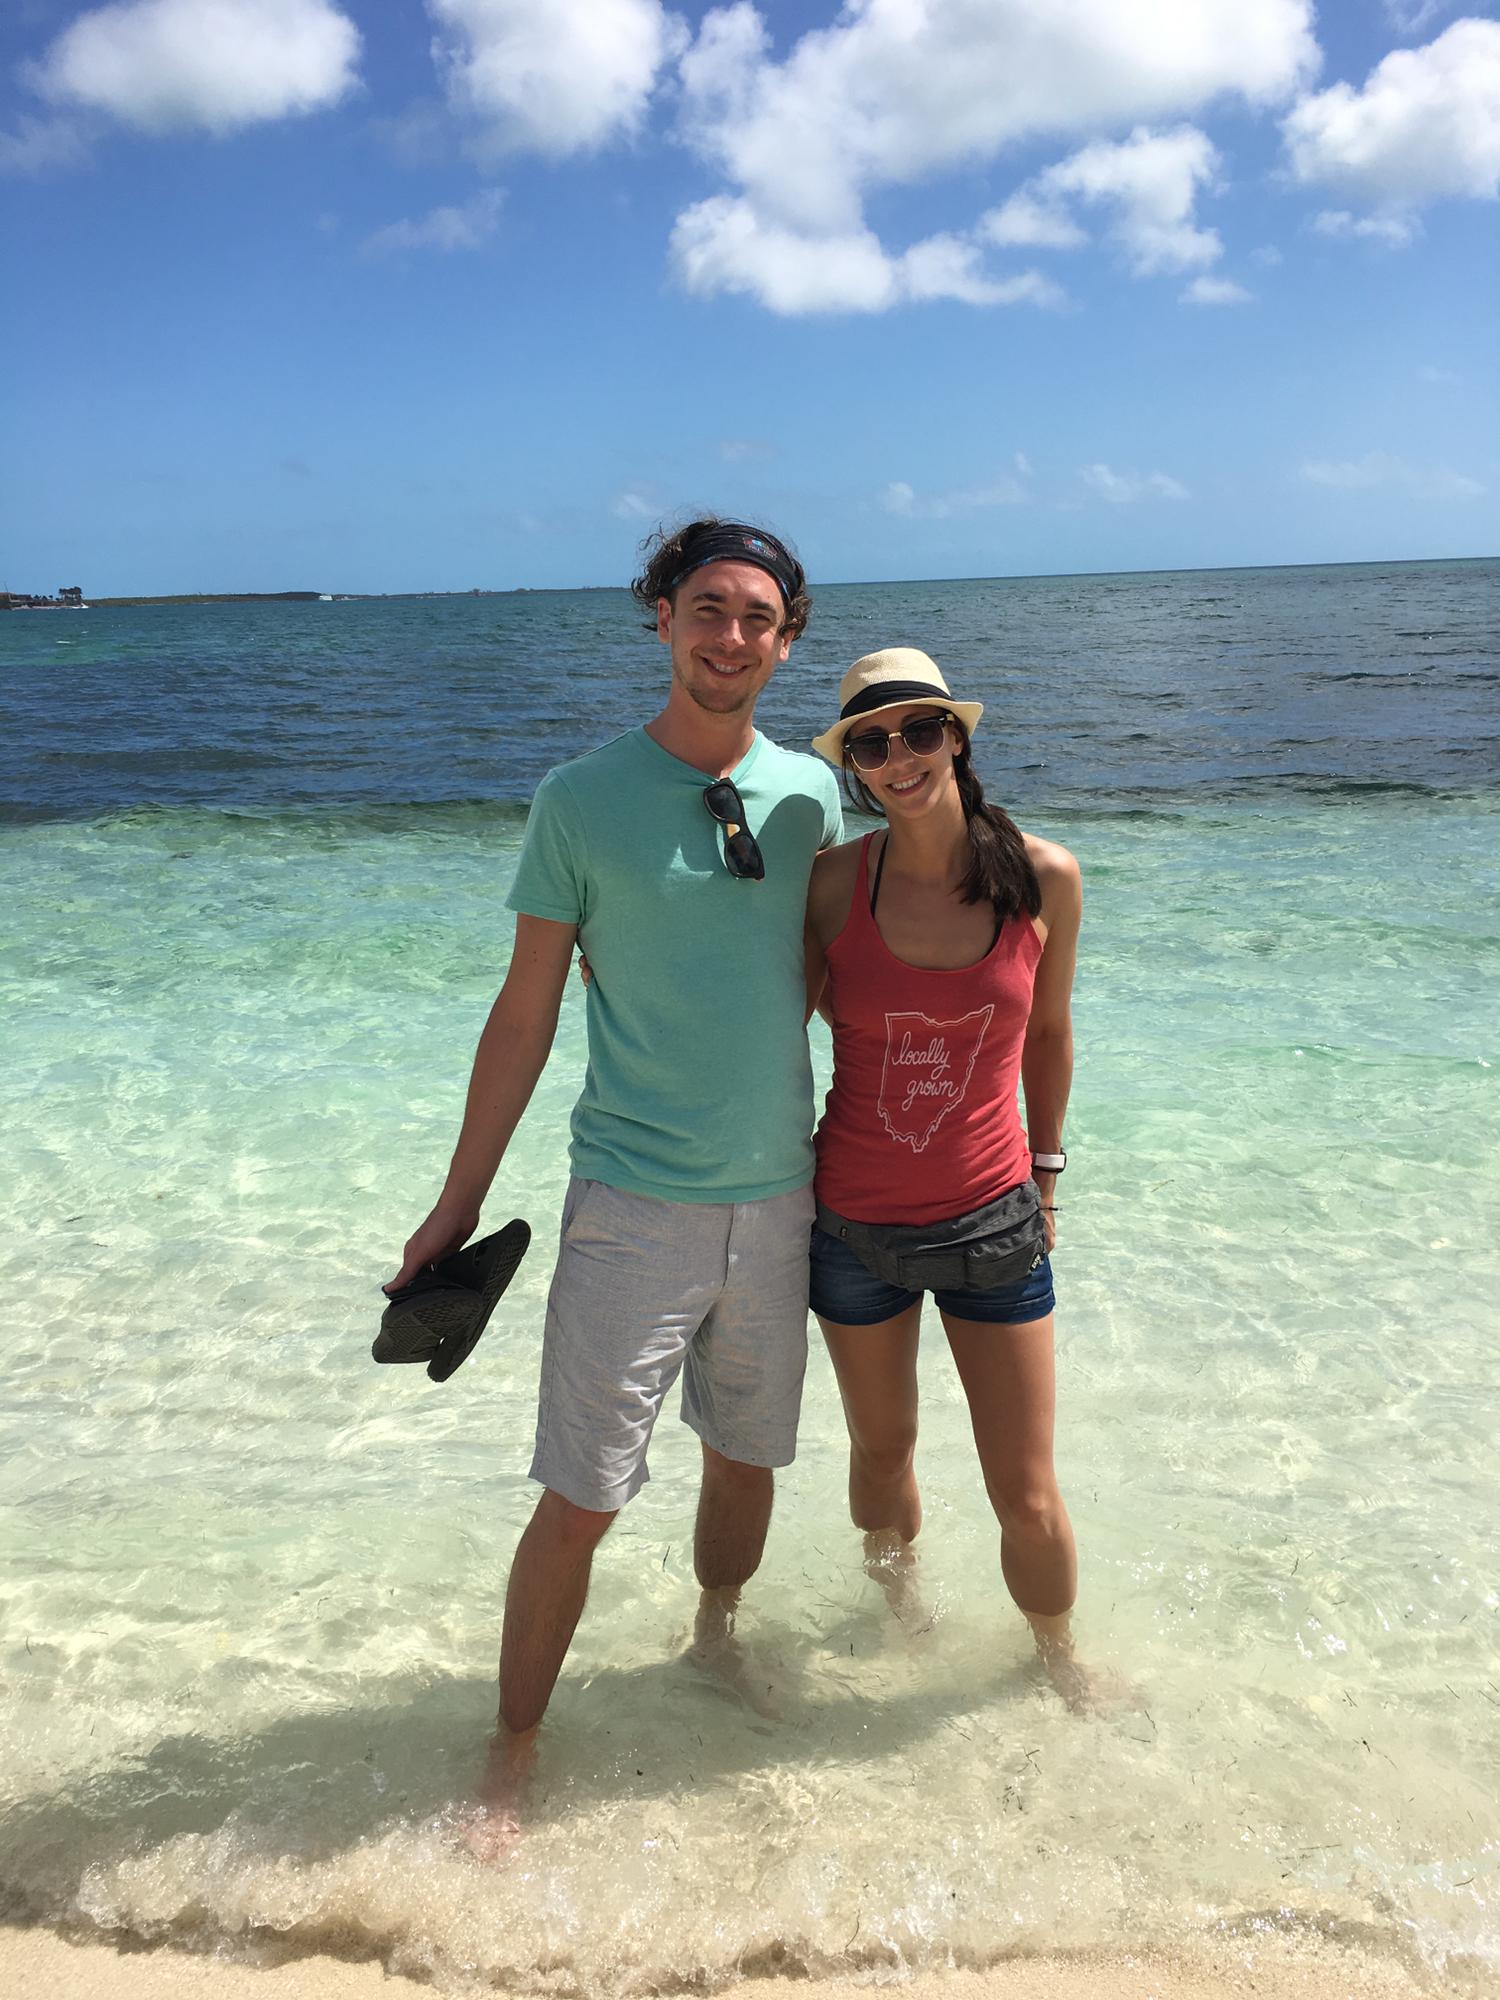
(841, 859)
(1055, 865)
(1060, 880)
(832, 884)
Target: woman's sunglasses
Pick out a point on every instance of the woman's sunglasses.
(742, 856)
(922, 735)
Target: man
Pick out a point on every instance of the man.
(678, 855)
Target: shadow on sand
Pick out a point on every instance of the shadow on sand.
(308, 1787)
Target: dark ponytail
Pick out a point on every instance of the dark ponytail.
(1000, 870)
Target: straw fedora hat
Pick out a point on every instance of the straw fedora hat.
(890, 679)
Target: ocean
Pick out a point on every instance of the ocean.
(255, 863)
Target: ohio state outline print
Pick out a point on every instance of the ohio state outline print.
(927, 1069)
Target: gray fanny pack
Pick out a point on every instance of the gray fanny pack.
(999, 1244)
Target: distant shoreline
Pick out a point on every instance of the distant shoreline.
(299, 596)
(291, 597)
(828, 583)
(221, 597)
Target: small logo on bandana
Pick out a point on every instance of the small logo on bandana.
(927, 1069)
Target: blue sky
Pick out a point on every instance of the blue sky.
(334, 295)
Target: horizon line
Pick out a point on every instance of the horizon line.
(831, 583)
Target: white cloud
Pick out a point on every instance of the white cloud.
(420, 134)
(457, 227)
(215, 65)
(1267, 255)
(745, 451)
(901, 498)
(562, 78)
(1216, 292)
(1026, 220)
(1443, 378)
(1410, 17)
(1384, 469)
(633, 506)
(948, 267)
(894, 92)
(1396, 231)
(724, 245)
(1150, 181)
(1425, 124)
(37, 145)
(1122, 489)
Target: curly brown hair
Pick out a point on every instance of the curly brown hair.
(666, 553)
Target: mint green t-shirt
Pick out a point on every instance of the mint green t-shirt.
(699, 1085)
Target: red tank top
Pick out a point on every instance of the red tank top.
(922, 1120)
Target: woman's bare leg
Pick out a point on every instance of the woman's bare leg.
(876, 1368)
(1010, 1381)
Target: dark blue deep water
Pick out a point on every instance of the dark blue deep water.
(1111, 691)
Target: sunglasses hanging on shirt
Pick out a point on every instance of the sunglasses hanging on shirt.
(742, 855)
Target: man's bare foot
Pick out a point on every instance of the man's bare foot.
(717, 1651)
(891, 1561)
(504, 1788)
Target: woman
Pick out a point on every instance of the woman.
(941, 949)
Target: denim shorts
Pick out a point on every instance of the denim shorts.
(842, 1290)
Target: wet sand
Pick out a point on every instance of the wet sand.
(40, 1965)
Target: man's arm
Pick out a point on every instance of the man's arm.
(512, 1053)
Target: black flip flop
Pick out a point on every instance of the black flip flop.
(440, 1315)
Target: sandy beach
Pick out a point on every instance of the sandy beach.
(39, 1965)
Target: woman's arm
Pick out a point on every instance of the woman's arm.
(816, 963)
(1047, 1053)
(828, 892)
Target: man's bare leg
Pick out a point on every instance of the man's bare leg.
(734, 1513)
(544, 1598)
(503, 1787)
(549, 1581)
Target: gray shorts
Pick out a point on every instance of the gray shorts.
(645, 1289)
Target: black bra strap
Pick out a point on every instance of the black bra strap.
(879, 871)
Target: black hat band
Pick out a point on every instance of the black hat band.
(885, 694)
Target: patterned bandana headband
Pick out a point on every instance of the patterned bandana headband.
(731, 542)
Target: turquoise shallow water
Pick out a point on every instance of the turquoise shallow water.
(251, 1584)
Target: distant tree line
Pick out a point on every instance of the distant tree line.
(21, 600)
